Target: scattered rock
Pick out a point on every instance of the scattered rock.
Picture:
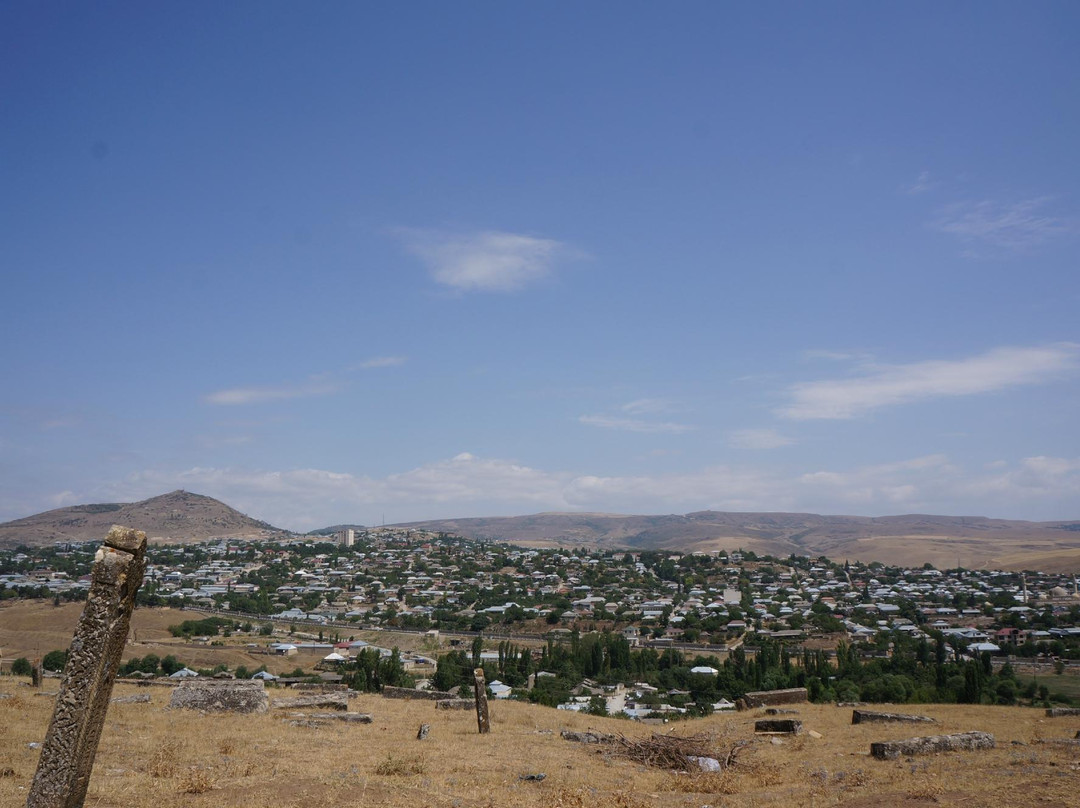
(706, 764)
(587, 737)
(422, 733)
(534, 777)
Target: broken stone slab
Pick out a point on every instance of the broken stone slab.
(1059, 741)
(780, 711)
(1061, 712)
(769, 698)
(963, 741)
(787, 726)
(347, 718)
(413, 693)
(67, 755)
(587, 737)
(454, 704)
(141, 698)
(869, 717)
(221, 696)
(323, 687)
(327, 701)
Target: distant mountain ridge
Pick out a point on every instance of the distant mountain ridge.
(910, 539)
(177, 516)
(945, 541)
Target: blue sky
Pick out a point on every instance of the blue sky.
(355, 262)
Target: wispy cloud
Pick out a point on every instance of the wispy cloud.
(63, 422)
(923, 183)
(837, 356)
(258, 395)
(888, 385)
(633, 424)
(379, 362)
(759, 439)
(323, 384)
(648, 406)
(488, 261)
(1005, 226)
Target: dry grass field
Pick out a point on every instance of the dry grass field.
(151, 757)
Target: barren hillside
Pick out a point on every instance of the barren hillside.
(176, 516)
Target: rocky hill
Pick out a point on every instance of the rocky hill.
(176, 516)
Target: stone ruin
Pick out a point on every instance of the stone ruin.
(767, 698)
(221, 696)
(890, 750)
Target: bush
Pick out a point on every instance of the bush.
(22, 667)
(55, 661)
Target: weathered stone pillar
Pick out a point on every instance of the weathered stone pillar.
(483, 724)
(67, 756)
(36, 673)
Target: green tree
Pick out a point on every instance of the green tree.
(150, 663)
(22, 667)
(54, 660)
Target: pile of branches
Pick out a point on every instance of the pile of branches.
(673, 752)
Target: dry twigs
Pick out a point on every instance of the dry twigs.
(673, 752)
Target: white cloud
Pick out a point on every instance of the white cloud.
(888, 385)
(1004, 226)
(257, 395)
(633, 424)
(759, 439)
(467, 485)
(488, 261)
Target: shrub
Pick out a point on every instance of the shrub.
(21, 667)
(55, 660)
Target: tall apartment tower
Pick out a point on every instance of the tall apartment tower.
(346, 537)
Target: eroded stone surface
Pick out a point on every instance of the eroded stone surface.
(221, 696)
(869, 717)
(327, 701)
(890, 750)
(67, 755)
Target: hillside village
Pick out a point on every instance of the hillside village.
(703, 613)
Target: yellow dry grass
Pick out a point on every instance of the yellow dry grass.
(154, 758)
